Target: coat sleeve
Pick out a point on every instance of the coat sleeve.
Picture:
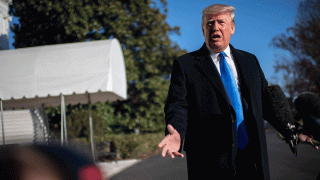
(176, 108)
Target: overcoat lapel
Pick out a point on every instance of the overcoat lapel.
(242, 64)
(205, 64)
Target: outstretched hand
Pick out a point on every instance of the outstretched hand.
(307, 139)
(171, 143)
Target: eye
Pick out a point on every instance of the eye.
(210, 23)
(221, 22)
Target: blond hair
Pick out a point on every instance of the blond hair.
(218, 8)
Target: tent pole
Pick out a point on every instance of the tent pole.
(91, 128)
(65, 122)
(3, 139)
(64, 133)
(62, 122)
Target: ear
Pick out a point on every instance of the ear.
(233, 28)
(203, 32)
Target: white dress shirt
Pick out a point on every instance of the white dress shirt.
(230, 60)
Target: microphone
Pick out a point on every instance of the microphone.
(278, 105)
(278, 109)
(308, 106)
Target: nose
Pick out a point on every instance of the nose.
(215, 26)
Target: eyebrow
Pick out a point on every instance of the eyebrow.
(211, 20)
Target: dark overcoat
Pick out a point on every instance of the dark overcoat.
(198, 107)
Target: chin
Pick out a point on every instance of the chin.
(216, 48)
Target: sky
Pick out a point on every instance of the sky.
(257, 22)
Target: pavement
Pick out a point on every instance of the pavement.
(110, 169)
(282, 163)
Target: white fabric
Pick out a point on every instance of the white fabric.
(37, 75)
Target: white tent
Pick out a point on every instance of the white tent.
(44, 76)
(37, 76)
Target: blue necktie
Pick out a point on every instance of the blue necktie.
(232, 89)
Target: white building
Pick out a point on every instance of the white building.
(5, 18)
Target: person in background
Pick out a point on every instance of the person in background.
(32, 162)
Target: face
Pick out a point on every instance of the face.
(217, 30)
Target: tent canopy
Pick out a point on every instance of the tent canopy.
(38, 76)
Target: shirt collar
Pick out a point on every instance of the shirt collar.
(215, 55)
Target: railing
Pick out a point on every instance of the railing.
(24, 126)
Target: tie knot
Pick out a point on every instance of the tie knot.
(222, 54)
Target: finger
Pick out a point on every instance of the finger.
(178, 154)
(163, 142)
(315, 146)
(164, 150)
(169, 152)
(310, 141)
(171, 130)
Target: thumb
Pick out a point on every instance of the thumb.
(171, 129)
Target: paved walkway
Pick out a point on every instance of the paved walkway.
(109, 169)
(283, 164)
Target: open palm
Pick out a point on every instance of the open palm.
(171, 143)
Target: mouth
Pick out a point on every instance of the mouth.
(215, 37)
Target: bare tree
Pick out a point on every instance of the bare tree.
(301, 71)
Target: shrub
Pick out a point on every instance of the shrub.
(131, 145)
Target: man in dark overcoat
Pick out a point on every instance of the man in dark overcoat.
(199, 111)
